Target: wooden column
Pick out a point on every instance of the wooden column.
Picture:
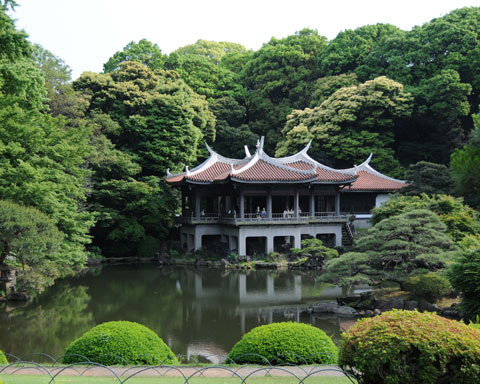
(184, 205)
(242, 206)
(295, 203)
(337, 203)
(269, 203)
(312, 203)
(197, 205)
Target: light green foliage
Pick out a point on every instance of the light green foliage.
(315, 248)
(406, 347)
(429, 178)
(212, 50)
(41, 158)
(20, 78)
(327, 86)
(465, 163)
(30, 240)
(465, 275)
(54, 69)
(460, 219)
(117, 342)
(349, 49)
(430, 286)
(409, 243)
(3, 359)
(279, 77)
(41, 165)
(352, 123)
(284, 343)
(144, 52)
(205, 77)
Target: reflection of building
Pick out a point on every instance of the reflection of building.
(273, 201)
(269, 294)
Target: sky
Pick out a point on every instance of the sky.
(85, 33)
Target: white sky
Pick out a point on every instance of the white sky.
(85, 33)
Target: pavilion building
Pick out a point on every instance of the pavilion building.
(275, 202)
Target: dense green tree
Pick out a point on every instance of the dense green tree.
(326, 86)
(352, 123)
(460, 219)
(437, 63)
(42, 165)
(212, 50)
(232, 131)
(235, 61)
(30, 239)
(394, 249)
(429, 178)
(348, 50)
(465, 275)
(205, 77)
(41, 158)
(161, 119)
(144, 122)
(279, 77)
(466, 167)
(143, 52)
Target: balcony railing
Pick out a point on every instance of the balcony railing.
(254, 218)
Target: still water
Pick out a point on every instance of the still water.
(197, 312)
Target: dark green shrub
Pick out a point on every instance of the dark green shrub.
(430, 286)
(117, 342)
(410, 347)
(3, 359)
(284, 343)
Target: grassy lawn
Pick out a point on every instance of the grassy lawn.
(38, 379)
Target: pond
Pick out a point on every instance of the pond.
(198, 312)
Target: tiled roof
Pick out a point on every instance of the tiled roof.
(368, 181)
(211, 173)
(297, 168)
(323, 174)
(266, 171)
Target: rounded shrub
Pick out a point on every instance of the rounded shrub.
(281, 343)
(430, 286)
(3, 359)
(118, 343)
(410, 347)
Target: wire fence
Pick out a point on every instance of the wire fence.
(188, 372)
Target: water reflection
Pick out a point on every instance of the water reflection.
(197, 312)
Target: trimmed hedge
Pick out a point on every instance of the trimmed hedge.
(119, 343)
(430, 286)
(410, 347)
(281, 343)
(3, 359)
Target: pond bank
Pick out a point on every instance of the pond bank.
(164, 259)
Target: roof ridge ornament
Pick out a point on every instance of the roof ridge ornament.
(210, 150)
(260, 144)
(307, 147)
(168, 172)
(247, 152)
(186, 170)
(369, 158)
